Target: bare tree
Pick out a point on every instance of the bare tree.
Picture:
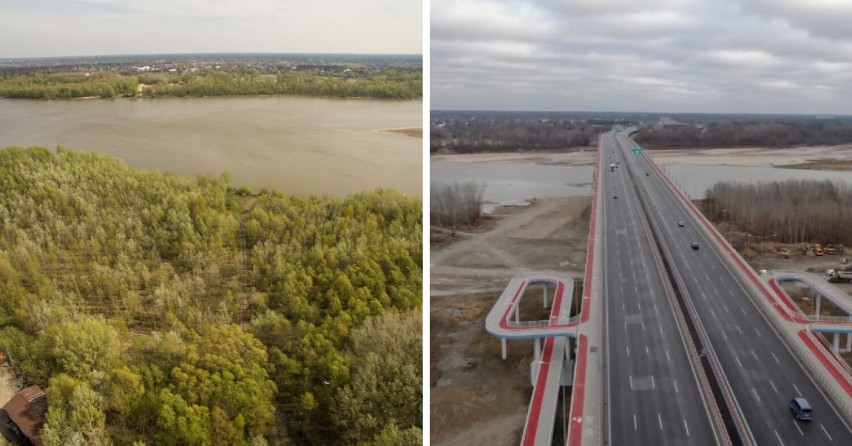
(456, 204)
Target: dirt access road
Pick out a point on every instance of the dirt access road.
(477, 398)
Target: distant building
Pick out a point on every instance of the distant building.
(22, 418)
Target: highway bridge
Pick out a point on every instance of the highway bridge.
(678, 342)
(758, 369)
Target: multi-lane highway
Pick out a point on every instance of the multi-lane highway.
(763, 374)
(653, 390)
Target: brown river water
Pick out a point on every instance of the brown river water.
(296, 145)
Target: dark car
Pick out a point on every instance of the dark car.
(801, 409)
(681, 223)
(615, 197)
(694, 245)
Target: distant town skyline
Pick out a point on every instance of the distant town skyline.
(69, 28)
(668, 56)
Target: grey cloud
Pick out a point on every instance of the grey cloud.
(663, 55)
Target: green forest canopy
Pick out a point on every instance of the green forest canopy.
(163, 310)
(386, 83)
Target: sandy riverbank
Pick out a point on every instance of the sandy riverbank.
(415, 132)
(820, 157)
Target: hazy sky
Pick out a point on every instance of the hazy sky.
(756, 56)
(37, 28)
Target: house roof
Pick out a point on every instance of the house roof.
(27, 409)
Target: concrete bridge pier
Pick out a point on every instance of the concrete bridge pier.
(503, 347)
(537, 355)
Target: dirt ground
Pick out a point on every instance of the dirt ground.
(476, 397)
(818, 157)
(9, 385)
(795, 157)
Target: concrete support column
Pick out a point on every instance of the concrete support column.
(503, 347)
(818, 299)
(544, 297)
(537, 355)
(849, 342)
(835, 345)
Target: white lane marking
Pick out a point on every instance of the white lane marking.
(776, 359)
(755, 394)
(647, 351)
(675, 384)
(643, 325)
(628, 350)
(726, 309)
(686, 426)
(667, 355)
(773, 386)
(631, 382)
(655, 309)
(623, 308)
(660, 420)
(796, 423)
(779, 438)
(738, 361)
(755, 355)
(743, 310)
(826, 432)
(724, 335)
(635, 426)
(739, 329)
(652, 382)
(798, 392)
(758, 332)
(661, 330)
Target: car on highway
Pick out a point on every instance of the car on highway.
(694, 245)
(801, 409)
(615, 197)
(681, 223)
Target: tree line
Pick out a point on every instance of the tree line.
(746, 134)
(456, 204)
(509, 134)
(792, 211)
(155, 309)
(382, 83)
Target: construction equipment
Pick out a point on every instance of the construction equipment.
(828, 250)
(838, 276)
(818, 250)
(808, 251)
(783, 252)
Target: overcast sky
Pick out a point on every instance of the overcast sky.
(39, 28)
(755, 56)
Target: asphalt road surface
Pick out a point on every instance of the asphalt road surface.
(764, 375)
(653, 396)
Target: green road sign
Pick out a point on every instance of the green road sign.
(637, 151)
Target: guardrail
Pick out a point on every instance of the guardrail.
(834, 383)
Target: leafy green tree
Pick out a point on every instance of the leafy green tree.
(386, 380)
(77, 418)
